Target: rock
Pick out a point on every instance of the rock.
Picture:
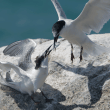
(79, 86)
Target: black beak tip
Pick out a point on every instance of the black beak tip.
(54, 48)
(55, 40)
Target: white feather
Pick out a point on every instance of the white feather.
(94, 15)
(31, 79)
(24, 50)
(59, 10)
(24, 86)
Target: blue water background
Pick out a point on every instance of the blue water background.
(21, 19)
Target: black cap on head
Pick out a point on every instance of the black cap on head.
(39, 59)
(57, 27)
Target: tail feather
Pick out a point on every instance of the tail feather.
(94, 49)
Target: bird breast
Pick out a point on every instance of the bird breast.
(27, 87)
(38, 77)
(72, 34)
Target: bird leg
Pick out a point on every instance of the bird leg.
(72, 56)
(81, 53)
(35, 101)
(47, 100)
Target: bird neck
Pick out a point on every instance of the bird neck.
(45, 62)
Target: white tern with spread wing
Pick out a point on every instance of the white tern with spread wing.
(92, 18)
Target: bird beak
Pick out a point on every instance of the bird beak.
(55, 40)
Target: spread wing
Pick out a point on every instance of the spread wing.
(59, 10)
(19, 48)
(94, 15)
(6, 66)
(24, 50)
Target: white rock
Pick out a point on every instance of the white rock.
(72, 86)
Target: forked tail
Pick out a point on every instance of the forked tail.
(93, 49)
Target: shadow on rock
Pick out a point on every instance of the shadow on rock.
(25, 102)
(97, 76)
(70, 107)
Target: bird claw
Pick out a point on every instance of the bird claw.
(35, 101)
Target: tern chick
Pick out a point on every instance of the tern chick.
(32, 76)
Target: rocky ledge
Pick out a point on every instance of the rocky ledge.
(79, 86)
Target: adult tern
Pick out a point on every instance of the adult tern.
(32, 76)
(94, 15)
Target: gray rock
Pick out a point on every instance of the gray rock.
(79, 86)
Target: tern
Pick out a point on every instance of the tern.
(32, 76)
(94, 15)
